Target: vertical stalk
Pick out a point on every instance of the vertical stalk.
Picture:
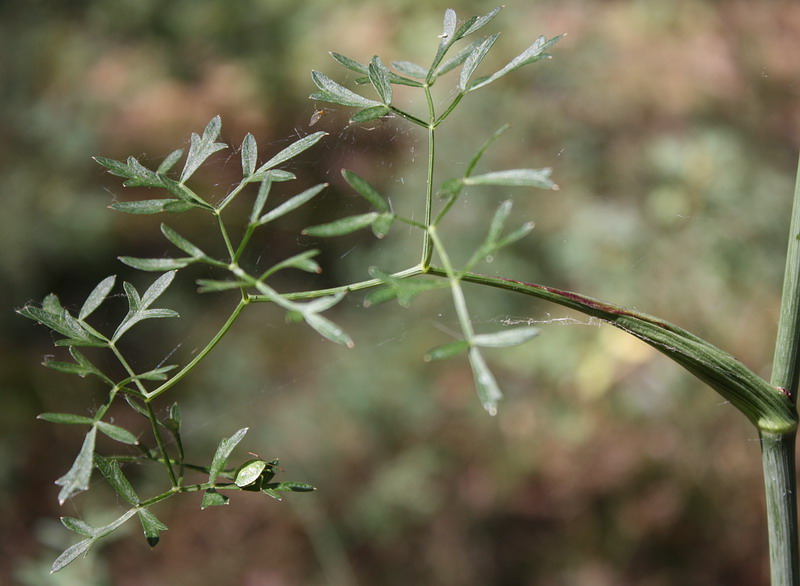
(778, 451)
(427, 245)
(777, 456)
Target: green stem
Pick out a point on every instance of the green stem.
(766, 406)
(778, 458)
(225, 237)
(457, 292)
(777, 451)
(367, 284)
(202, 354)
(427, 247)
(162, 448)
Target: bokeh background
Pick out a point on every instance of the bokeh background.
(673, 129)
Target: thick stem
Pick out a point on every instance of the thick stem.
(778, 457)
(778, 451)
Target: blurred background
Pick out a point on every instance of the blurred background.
(673, 129)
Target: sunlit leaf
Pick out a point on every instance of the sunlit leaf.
(152, 206)
(71, 554)
(138, 307)
(291, 204)
(158, 287)
(485, 383)
(58, 319)
(328, 329)
(201, 148)
(481, 21)
(457, 59)
(350, 64)
(515, 177)
(532, 54)
(379, 76)
(447, 39)
(97, 296)
(322, 303)
(66, 418)
(506, 338)
(79, 526)
(410, 69)
(156, 264)
(337, 94)
(288, 153)
(168, 163)
(77, 478)
(226, 446)
(137, 175)
(249, 155)
(342, 226)
(249, 472)
(474, 59)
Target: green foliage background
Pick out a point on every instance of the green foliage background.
(673, 129)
